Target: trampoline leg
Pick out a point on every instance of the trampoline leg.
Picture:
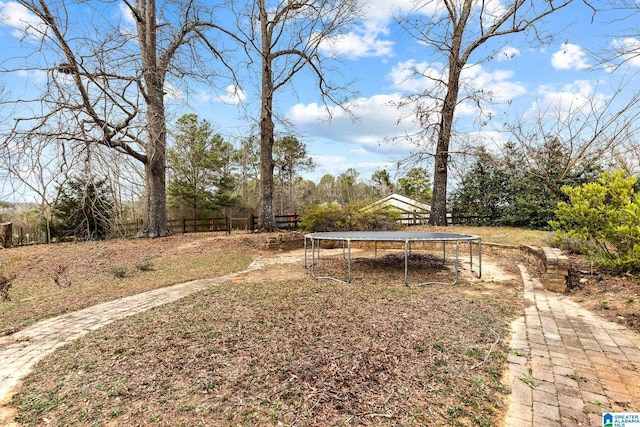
(313, 258)
(456, 265)
(349, 261)
(479, 259)
(444, 253)
(406, 262)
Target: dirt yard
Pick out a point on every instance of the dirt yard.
(616, 298)
(275, 346)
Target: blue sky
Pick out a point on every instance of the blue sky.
(524, 78)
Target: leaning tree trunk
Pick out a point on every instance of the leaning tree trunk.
(438, 214)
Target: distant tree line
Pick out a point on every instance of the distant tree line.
(208, 177)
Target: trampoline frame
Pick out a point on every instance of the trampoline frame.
(407, 238)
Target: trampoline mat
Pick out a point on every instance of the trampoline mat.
(391, 236)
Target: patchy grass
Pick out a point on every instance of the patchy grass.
(502, 235)
(284, 349)
(49, 280)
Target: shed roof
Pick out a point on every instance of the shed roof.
(400, 202)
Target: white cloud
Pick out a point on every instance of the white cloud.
(22, 22)
(377, 119)
(414, 77)
(172, 92)
(37, 76)
(417, 77)
(363, 41)
(569, 57)
(233, 95)
(571, 99)
(128, 24)
(384, 10)
(629, 50)
(508, 53)
(496, 84)
(330, 164)
(367, 38)
(492, 11)
(360, 151)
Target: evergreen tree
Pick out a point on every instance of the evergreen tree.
(518, 189)
(382, 183)
(416, 184)
(200, 164)
(481, 196)
(290, 157)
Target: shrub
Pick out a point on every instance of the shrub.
(605, 215)
(5, 286)
(59, 277)
(117, 272)
(146, 265)
(323, 217)
(333, 217)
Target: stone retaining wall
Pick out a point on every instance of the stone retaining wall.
(555, 265)
(284, 241)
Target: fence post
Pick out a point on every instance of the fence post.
(184, 225)
(228, 220)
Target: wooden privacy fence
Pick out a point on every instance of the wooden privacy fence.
(21, 236)
(214, 224)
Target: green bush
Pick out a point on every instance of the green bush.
(333, 217)
(605, 215)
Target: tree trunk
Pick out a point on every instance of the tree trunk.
(6, 235)
(438, 214)
(154, 223)
(267, 218)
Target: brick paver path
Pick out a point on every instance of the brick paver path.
(567, 365)
(20, 351)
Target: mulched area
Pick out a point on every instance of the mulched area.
(614, 297)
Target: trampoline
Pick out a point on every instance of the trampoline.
(408, 238)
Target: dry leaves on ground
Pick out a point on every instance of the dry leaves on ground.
(280, 348)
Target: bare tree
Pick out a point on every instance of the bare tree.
(591, 132)
(287, 36)
(36, 171)
(106, 83)
(621, 18)
(454, 30)
(290, 158)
